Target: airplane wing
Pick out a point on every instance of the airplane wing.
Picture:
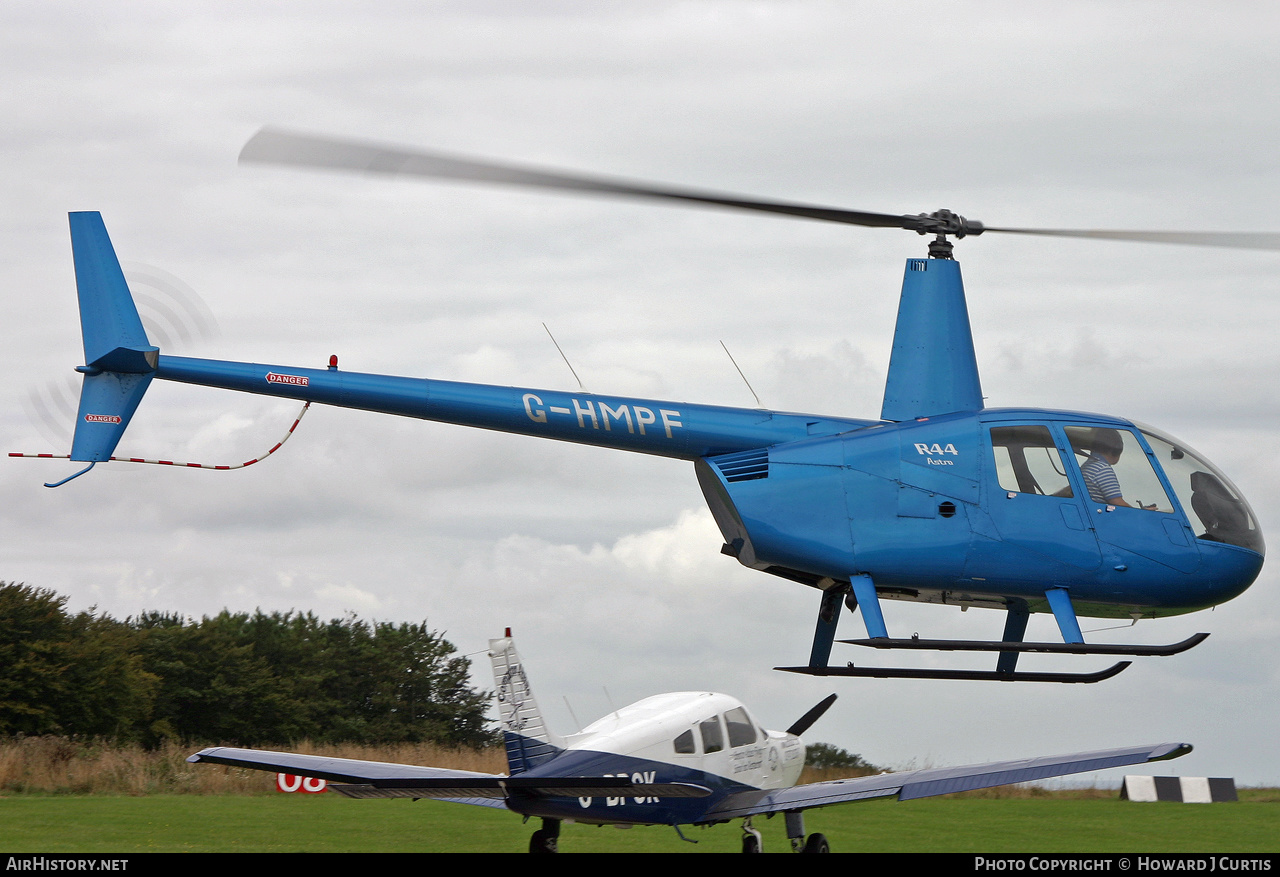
(380, 779)
(351, 771)
(940, 781)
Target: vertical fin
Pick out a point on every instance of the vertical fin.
(933, 368)
(119, 360)
(525, 733)
(114, 339)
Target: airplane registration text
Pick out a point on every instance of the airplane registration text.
(598, 414)
(648, 776)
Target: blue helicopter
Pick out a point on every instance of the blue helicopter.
(680, 758)
(938, 500)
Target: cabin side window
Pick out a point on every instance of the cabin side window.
(1028, 461)
(684, 744)
(712, 734)
(741, 731)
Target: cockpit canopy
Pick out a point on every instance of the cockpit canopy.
(1027, 461)
(1206, 494)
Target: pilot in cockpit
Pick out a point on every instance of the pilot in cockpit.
(1099, 476)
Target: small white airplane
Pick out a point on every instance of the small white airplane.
(683, 758)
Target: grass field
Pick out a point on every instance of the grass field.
(328, 823)
(62, 796)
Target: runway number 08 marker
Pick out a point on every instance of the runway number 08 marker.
(287, 782)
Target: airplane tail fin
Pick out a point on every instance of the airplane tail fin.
(528, 740)
(119, 358)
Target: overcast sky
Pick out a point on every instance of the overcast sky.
(607, 565)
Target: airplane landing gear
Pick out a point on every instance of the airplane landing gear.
(816, 843)
(751, 839)
(547, 838)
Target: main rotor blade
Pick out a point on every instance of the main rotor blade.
(1240, 240)
(277, 146)
(274, 146)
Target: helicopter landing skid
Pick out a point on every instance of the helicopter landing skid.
(946, 645)
(982, 675)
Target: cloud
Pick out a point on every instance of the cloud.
(607, 564)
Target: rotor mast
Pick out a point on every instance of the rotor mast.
(933, 368)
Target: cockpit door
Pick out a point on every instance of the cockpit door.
(1140, 518)
(1033, 503)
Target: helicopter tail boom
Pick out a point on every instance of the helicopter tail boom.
(121, 361)
(668, 429)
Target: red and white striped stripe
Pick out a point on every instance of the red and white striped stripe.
(273, 449)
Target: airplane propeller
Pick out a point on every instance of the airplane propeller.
(806, 721)
(277, 146)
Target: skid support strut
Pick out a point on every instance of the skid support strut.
(824, 633)
(1015, 628)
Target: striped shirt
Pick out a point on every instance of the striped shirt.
(1101, 480)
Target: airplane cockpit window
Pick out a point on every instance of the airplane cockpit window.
(1116, 469)
(1028, 461)
(1209, 499)
(712, 734)
(741, 731)
(684, 744)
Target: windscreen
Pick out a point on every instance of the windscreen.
(1218, 511)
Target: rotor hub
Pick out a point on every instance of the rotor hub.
(943, 222)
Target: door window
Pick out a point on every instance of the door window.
(741, 730)
(1028, 461)
(712, 734)
(1116, 469)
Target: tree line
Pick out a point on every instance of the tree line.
(235, 678)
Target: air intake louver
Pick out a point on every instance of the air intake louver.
(744, 465)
